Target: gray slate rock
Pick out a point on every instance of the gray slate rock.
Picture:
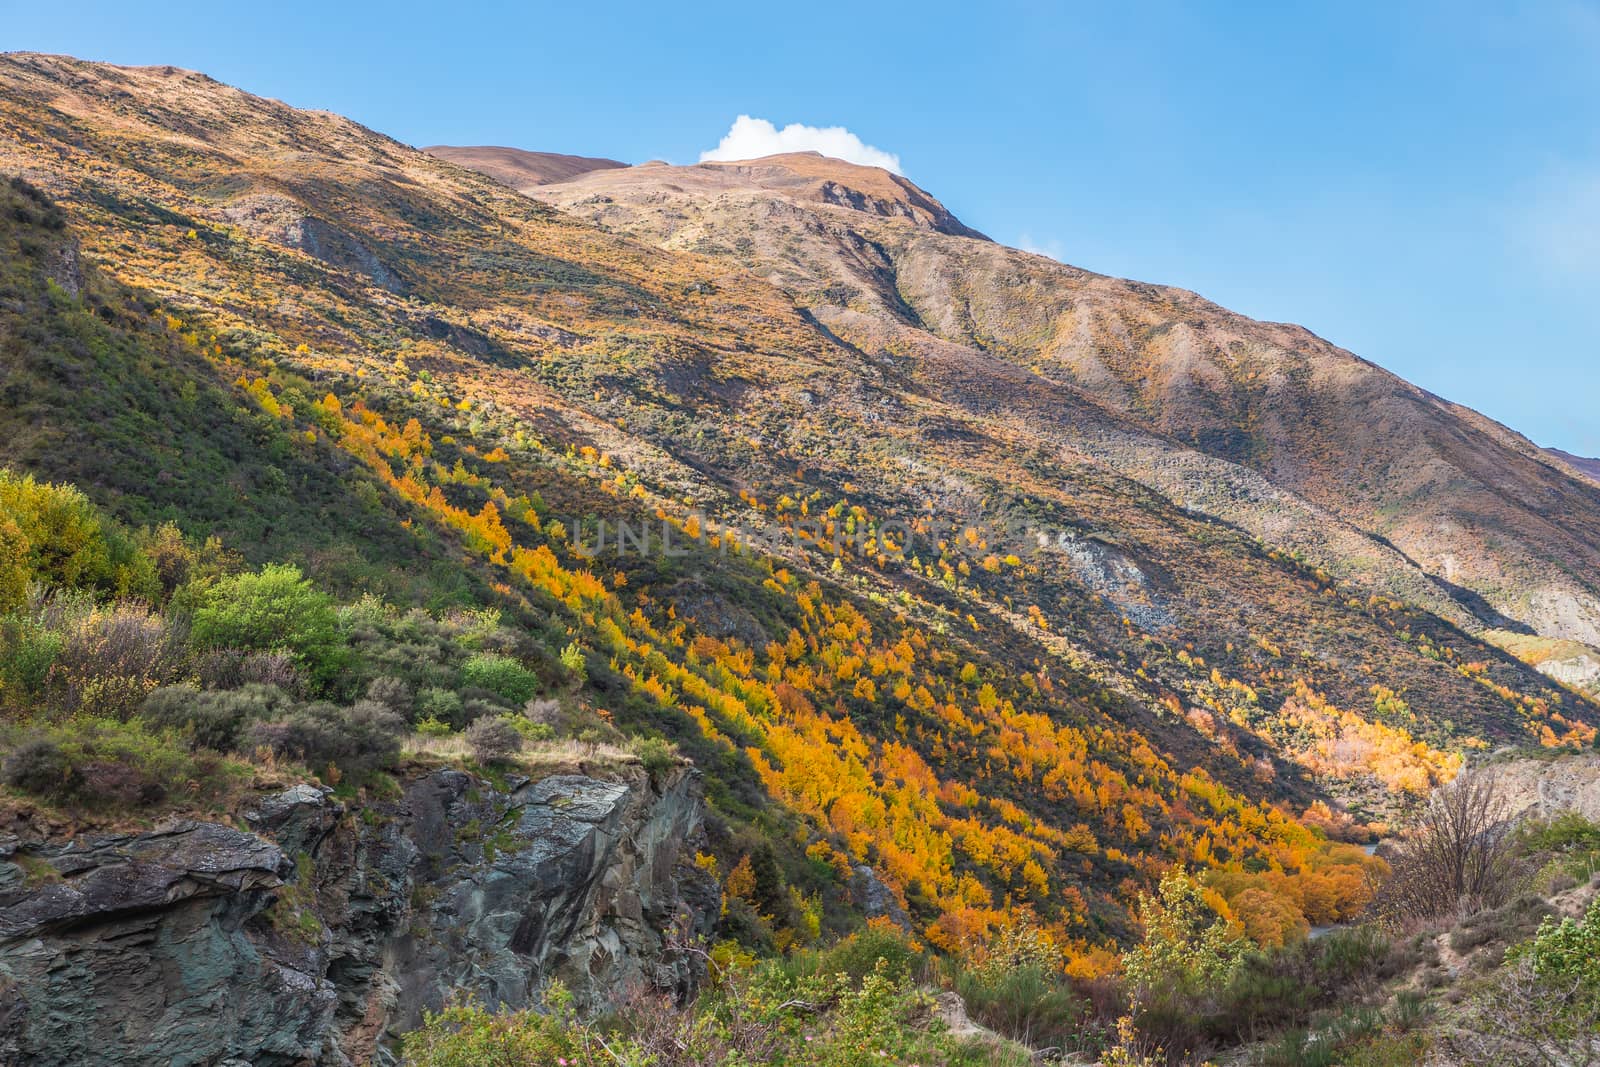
(318, 937)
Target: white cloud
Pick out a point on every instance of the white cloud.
(1048, 247)
(750, 138)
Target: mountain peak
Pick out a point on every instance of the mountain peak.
(804, 176)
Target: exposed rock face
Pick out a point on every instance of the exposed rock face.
(280, 218)
(317, 936)
(874, 897)
(1545, 788)
(1581, 671)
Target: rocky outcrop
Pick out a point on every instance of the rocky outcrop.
(1544, 788)
(284, 220)
(875, 898)
(311, 933)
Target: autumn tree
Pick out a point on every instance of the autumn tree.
(1188, 944)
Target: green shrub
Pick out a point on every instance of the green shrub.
(107, 764)
(1348, 954)
(1390, 1050)
(65, 538)
(1273, 988)
(442, 705)
(1411, 1010)
(1328, 1044)
(1031, 1004)
(15, 571)
(1568, 953)
(466, 1035)
(1568, 832)
(27, 652)
(861, 953)
(431, 727)
(274, 609)
(393, 693)
(1187, 945)
(334, 741)
(657, 754)
(502, 675)
(214, 719)
(39, 766)
(1570, 846)
(533, 731)
(572, 659)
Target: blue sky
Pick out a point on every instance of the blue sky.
(1419, 183)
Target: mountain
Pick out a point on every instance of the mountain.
(519, 169)
(1589, 467)
(1263, 426)
(982, 582)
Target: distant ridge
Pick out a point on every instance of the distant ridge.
(1591, 467)
(803, 177)
(517, 168)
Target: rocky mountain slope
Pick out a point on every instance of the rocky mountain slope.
(307, 934)
(914, 599)
(1262, 425)
(1588, 467)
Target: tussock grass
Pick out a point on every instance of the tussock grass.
(537, 757)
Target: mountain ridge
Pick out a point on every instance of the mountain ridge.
(1590, 468)
(517, 167)
(1197, 369)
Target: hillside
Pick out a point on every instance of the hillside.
(991, 583)
(1589, 467)
(1264, 426)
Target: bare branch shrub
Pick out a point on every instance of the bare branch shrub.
(1458, 857)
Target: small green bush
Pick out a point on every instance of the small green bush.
(860, 954)
(657, 754)
(1411, 1010)
(27, 652)
(1030, 1004)
(214, 719)
(1568, 952)
(39, 766)
(64, 536)
(502, 675)
(533, 731)
(1347, 954)
(393, 693)
(274, 609)
(352, 741)
(443, 705)
(107, 764)
(466, 1035)
(1187, 945)
(431, 727)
